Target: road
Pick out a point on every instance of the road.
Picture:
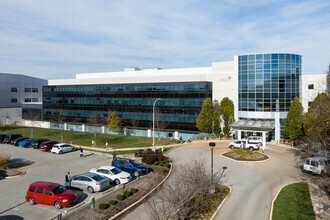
(254, 184)
(40, 166)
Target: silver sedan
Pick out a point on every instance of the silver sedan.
(90, 181)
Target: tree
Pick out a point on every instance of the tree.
(293, 123)
(316, 122)
(59, 118)
(205, 119)
(95, 120)
(216, 117)
(227, 113)
(135, 123)
(160, 121)
(31, 115)
(113, 121)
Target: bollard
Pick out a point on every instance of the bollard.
(93, 203)
(59, 216)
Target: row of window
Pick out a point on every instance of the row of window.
(15, 100)
(15, 89)
(273, 56)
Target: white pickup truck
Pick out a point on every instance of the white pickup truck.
(237, 144)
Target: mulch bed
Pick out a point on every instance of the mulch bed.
(9, 173)
(262, 157)
(144, 185)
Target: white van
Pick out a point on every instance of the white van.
(316, 165)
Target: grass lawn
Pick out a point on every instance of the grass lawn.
(294, 202)
(85, 139)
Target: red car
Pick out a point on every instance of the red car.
(47, 146)
(49, 193)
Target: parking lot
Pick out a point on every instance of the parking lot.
(41, 166)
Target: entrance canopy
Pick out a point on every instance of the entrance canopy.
(250, 125)
(257, 126)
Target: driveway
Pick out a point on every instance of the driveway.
(254, 184)
(40, 166)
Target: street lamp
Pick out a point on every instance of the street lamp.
(153, 124)
(212, 145)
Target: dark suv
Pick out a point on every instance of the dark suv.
(11, 137)
(2, 137)
(36, 143)
(47, 146)
(131, 166)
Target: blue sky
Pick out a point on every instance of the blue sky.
(57, 39)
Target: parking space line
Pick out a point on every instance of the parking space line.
(40, 207)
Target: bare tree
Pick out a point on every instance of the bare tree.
(135, 124)
(3, 117)
(95, 120)
(160, 121)
(31, 115)
(59, 118)
(173, 198)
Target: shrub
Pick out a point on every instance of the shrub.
(102, 206)
(166, 164)
(113, 202)
(133, 190)
(3, 160)
(120, 197)
(149, 156)
(156, 163)
(127, 194)
(161, 163)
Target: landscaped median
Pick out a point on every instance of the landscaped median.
(293, 202)
(245, 155)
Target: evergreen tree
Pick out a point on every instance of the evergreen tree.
(205, 119)
(293, 123)
(216, 117)
(227, 114)
(316, 121)
(113, 121)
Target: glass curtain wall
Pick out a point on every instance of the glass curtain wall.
(178, 108)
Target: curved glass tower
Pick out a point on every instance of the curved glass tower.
(267, 83)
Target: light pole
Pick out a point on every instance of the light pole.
(153, 124)
(212, 145)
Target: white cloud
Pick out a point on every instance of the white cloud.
(57, 39)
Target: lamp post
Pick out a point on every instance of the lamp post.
(153, 124)
(212, 145)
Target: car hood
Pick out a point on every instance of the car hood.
(66, 193)
(141, 167)
(123, 174)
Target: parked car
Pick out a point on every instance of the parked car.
(47, 146)
(49, 193)
(10, 137)
(26, 142)
(130, 166)
(16, 141)
(2, 137)
(255, 140)
(62, 148)
(237, 144)
(316, 165)
(91, 182)
(36, 143)
(113, 173)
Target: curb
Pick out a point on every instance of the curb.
(140, 200)
(272, 207)
(10, 177)
(222, 202)
(242, 161)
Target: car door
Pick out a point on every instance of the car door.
(48, 195)
(40, 196)
(129, 166)
(307, 166)
(77, 182)
(85, 182)
(121, 165)
(237, 144)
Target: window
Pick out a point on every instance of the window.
(13, 89)
(40, 190)
(27, 89)
(48, 191)
(27, 100)
(14, 100)
(34, 99)
(310, 86)
(34, 89)
(32, 189)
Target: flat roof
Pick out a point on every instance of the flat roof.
(253, 125)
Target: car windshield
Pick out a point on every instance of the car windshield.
(135, 163)
(97, 177)
(59, 190)
(115, 171)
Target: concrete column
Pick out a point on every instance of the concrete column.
(176, 134)
(103, 129)
(83, 128)
(239, 134)
(263, 140)
(277, 127)
(149, 133)
(65, 126)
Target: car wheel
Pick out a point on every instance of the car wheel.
(72, 149)
(58, 205)
(251, 149)
(61, 152)
(117, 182)
(90, 189)
(32, 201)
(136, 173)
(322, 173)
(259, 143)
(231, 147)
